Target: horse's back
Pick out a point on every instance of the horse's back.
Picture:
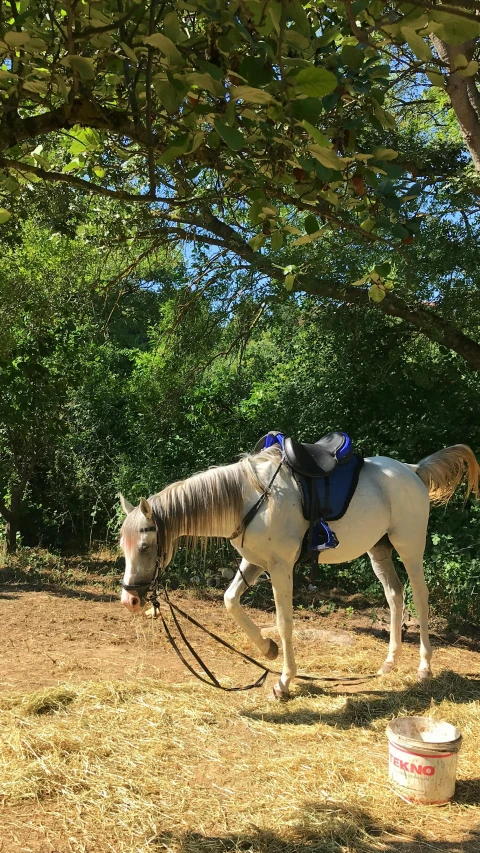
(389, 497)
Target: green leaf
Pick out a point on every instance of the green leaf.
(38, 86)
(316, 82)
(6, 74)
(436, 79)
(210, 68)
(327, 157)
(166, 45)
(400, 232)
(453, 30)
(289, 281)
(169, 97)
(469, 69)
(311, 224)
(416, 43)
(213, 139)
(383, 269)
(171, 25)
(307, 108)
(204, 81)
(359, 282)
(276, 240)
(73, 165)
(83, 66)
(175, 149)
(317, 135)
(4, 215)
(257, 242)
(367, 224)
(129, 52)
(387, 120)
(308, 238)
(384, 154)
(296, 11)
(15, 40)
(376, 293)
(250, 95)
(234, 139)
(352, 56)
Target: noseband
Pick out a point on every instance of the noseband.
(141, 589)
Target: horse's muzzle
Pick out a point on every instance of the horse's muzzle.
(132, 601)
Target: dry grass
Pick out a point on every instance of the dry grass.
(145, 766)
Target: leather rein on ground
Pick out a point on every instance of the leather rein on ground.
(157, 588)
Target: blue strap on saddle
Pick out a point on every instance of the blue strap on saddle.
(274, 438)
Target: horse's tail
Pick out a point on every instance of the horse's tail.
(443, 471)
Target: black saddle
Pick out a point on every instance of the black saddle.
(315, 460)
(319, 459)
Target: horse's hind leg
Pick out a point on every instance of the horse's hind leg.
(382, 564)
(412, 559)
(248, 572)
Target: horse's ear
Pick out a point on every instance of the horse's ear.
(146, 508)
(126, 505)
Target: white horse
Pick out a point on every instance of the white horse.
(390, 508)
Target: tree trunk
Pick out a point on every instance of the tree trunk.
(463, 94)
(11, 530)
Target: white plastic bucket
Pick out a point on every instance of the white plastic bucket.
(423, 757)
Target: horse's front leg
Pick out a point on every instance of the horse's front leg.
(281, 574)
(248, 572)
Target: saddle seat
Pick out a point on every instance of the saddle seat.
(319, 459)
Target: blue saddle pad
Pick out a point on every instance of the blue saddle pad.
(333, 496)
(335, 492)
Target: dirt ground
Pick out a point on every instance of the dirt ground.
(58, 635)
(53, 635)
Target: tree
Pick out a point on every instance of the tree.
(59, 303)
(244, 125)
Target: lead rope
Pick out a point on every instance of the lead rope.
(211, 678)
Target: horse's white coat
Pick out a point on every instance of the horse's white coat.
(390, 500)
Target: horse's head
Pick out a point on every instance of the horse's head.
(138, 540)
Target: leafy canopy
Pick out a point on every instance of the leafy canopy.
(267, 103)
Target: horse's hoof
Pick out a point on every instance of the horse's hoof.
(386, 668)
(424, 674)
(278, 695)
(272, 650)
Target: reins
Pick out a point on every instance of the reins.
(210, 678)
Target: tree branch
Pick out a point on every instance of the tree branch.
(431, 324)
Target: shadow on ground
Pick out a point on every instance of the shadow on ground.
(411, 634)
(11, 590)
(324, 828)
(362, 709)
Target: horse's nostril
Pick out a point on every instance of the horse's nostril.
(134, 601)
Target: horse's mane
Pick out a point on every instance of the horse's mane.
(209, 500)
